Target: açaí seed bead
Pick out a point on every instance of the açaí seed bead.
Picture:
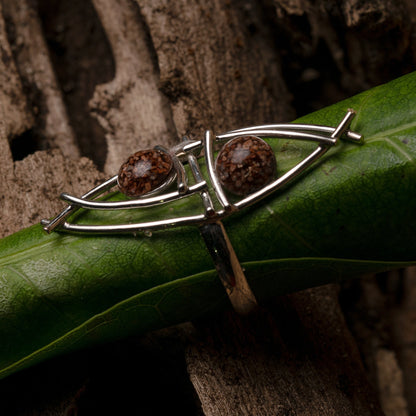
(245, 164)
(144, 171)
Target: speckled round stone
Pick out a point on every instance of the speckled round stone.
(143, 172)
(245, 164)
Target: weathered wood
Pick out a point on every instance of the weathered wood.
(367, 309)
(359, 35)
(29, 188)
(132, 110)
(16, 115)
(217, 64)
(390, 384)
(403, 329)
(381, 312)
(295, 357)
(36, 71)
(333, 49)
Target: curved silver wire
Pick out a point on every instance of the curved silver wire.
(284, 134)
(349, 135)
(283, 180)
(301, 166)
(134, 203)
(133, 228)
(281, 130)
(183, 153)
(209, 158)
(182, 180)
(50, 226)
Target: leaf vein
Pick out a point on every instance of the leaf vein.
(38, 291)
(385, 133)
(359, 112)
(295, 234)
(396, 147)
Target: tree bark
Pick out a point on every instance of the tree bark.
(170, 69)
(295, 357)
(36, 73)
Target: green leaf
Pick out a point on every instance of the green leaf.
(352, 212)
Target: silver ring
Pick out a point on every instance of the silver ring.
(243, 173)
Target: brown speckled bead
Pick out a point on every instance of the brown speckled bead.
(143, 172)
(245, 164)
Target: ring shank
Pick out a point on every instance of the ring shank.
(228, 267)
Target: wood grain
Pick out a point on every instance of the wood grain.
(16, 115)
(35, 70)
(132, 110)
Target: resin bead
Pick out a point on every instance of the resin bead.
(245, 164)
(144, 171)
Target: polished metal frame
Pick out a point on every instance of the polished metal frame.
(184, 153)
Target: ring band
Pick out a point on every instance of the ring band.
(228, 267)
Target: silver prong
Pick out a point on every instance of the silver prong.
(181, 179)
(206, 198)
(343, 125)
(209, 158)
(49, 226)
(186, 146)
(354, 137)
(192, 145)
